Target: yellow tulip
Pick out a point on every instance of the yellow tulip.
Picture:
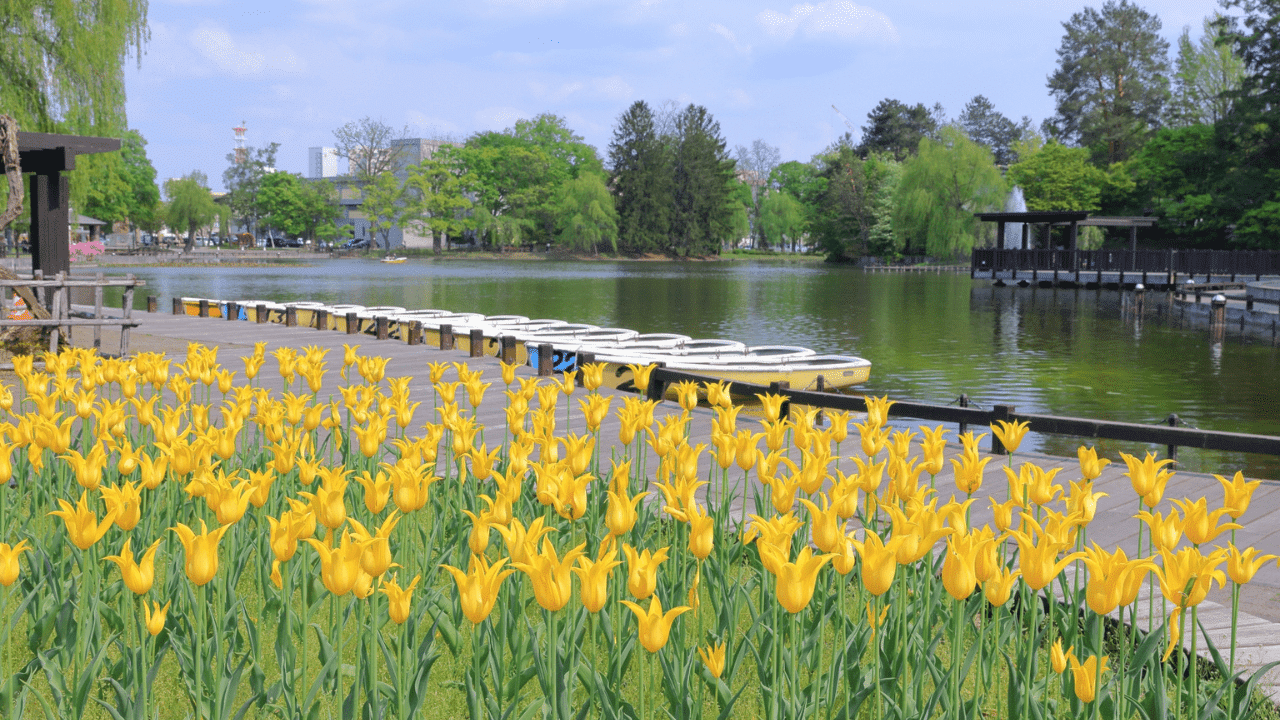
(878, 410)
(796, 580)
(1146, 474)
(718, 394)
(126, 502)
(522, 542)
(640, 376)
(1242, 566)
(1083, 501)
(328, 502)
(959, 576)
(771, 405)
(999, 587)
(595, 408)
(824, 524)
(593, 578)
(620, 516)
(702, 529)
(82, 525)
(642, 570)
(1086, 675)
(340, 566)
(375, 548)
(1110, 577)
(377, 490)
(88, 468)
(200, 551)
(1201, 526)
(399, 599)
(879, 561)
(655, 627)
(138, 576)
(1185, 578)
(550, 574)
(155, 621)
(713, 658)
(1039, 560)
(1041, 489)
(283, 538)
(9, 566)
(1090, 465)
(592, 375)
(1010, 434)
(478, 537)
(1237, 494)
(934, 447)
(1058, 658)
(1165, 532)
(873, 438)
(968, 473)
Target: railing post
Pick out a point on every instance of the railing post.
(508, 349)
(322, 319)
(657, 389)
(544, 360)
(352, 323)
(152, 303)
(126, 309)
(99, 280)
(1000, 412)
(178, 308)
(233, 310)
(775, 388)
(1173, 421)
(415, 332)
(476, 337)
(204, 308)
(964, 403)
(446, 337)
(260, 314)
(290, 316)
(380, 329)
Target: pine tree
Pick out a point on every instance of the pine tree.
(704, 211)
(640, 181)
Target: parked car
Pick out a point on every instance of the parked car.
(357, 244)
(294, 243)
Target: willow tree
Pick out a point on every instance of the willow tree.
(947, 181)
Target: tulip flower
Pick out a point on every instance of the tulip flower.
(640, 376)
(824, 524)
(1110, 577)
(934, 447)
(1090, 465)
(968, 473)
(702, 528)
(870, 475)
(155, 621)
(1039, 560)
(1185, 578)
(999, 587)
(620, 516)
(550, 574)
(879, 562)
(1041, 489)
(595, 408)
(745, 443)
(655, 627)
(713, 658)
(878, 410)
(959, 576)
(1165, 532)
(873, 438)
(340, 566)
(138, 576)
(593, 578)
(478, 538)
(283, 536)
(88, 468)
(1086, 675)
(718, 394)
(642, 570)
(1146, 474)
(1083, 501)
(228, 502)
(522, 542)
(399, 599)
(796, 580)
(1201, 526)
(1058, 658)
(125, 502)
(328, 501)
(200, 551)
(375, 548)
(1241, 566)
(377, 490)
(1010, 434)
(9, 567)
(1237, 494)
(82, 525)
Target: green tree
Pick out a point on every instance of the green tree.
(1176, 175)
(382, 202)
(803, 182)
(297, 207)
(641, 181)
(754, 166)
(702, 216)
(947, 181)
(895, 128)
(1207, 73)
(370, 146)
(570, 155)
(989, 127)
(1058, 177)
(853, 204)
(1112, 81)
(586, 218)
(435, 192)
(243, 181)
(190, 205)
(144, 194)
(63, 63)
(101, 188)
(782, 218)
(509, 184)
(320, 210)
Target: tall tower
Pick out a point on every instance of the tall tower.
(240, 151)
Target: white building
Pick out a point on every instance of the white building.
(322, 162)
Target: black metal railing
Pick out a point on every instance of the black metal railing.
(1232, 263)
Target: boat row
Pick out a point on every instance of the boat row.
(567, 343)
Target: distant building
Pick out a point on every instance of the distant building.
(322, 162)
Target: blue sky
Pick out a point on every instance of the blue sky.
(295, 70)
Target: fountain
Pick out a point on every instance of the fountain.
(1013, 231)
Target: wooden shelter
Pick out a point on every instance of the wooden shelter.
(1074, 219)
(46, 156)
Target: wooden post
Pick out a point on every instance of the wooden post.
(291, 316)
(1173, 421)
(1000, 412)
(584, 358)
(261, 314)
(545, 367)
(126, 310)
(964, 403)
(178, 308)
(353, 324)
(415, 332)
(322, 319)
(657, 389)
(446, 337)
(99, 279)
(204, 308)
(59, 291)
(476, 341)
(152, 303)
(233, 311)
(508, 351)
(381, 327)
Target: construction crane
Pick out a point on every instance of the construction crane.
(845, 119)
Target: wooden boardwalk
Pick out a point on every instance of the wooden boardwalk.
(1258, 640)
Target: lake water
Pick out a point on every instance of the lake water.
(929, 337)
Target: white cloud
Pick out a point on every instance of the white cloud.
(841, 19)
(498, 118)
(237, 58)
(727, 34)
(740, 97)
(566, 90)
(678, 29)
(530, 5)
(614, 87)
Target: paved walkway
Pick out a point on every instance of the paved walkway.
(1258, 640)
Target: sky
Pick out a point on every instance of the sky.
(294, 70)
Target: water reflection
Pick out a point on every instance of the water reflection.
(929, 337)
